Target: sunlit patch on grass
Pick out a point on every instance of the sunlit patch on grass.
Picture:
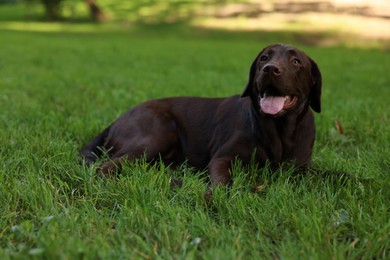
(326, 29)
(58, 27)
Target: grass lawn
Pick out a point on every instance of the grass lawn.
(59, 89)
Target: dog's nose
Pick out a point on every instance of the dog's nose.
(273, 69)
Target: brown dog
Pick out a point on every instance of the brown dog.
(271, 121)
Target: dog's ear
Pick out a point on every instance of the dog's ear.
(248, 91)
(315, 92)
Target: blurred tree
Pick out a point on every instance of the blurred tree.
(154, 11)
(96, 13)
(52, 8)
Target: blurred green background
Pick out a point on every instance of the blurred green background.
(353, 23)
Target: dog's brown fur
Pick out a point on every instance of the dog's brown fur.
(211, 132)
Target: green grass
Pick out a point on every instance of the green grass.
(59, 89)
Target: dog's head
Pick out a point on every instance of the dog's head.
(283, 78)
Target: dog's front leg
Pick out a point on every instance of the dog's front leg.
(220, 171)
(220, 174)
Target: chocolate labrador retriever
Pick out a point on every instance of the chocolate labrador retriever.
(271, 121)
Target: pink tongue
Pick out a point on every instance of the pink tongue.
(271, 105)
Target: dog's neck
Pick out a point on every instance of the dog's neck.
(289, 129)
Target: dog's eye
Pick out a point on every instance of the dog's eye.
(296, 61)
(264, 58)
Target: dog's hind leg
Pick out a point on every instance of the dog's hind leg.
(92, 151)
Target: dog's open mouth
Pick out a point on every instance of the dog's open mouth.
(274, 105)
